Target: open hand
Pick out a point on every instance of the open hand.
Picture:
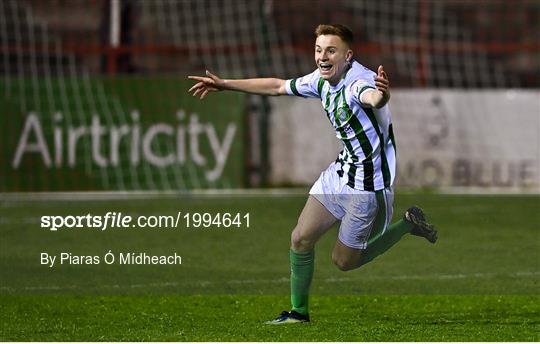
(381, 81)
(205, 84)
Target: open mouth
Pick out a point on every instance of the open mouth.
(325, 67)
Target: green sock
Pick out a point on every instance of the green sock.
(380, 243)
(302, 265)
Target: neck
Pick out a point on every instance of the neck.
(335, 81)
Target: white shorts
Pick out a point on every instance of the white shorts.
(363, 214)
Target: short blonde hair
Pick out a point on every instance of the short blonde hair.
(339, 30)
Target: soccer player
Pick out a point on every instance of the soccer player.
(355, 189)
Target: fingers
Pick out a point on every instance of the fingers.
(381, 73)
(197, 85)
(381, 80)
(383, 88)
(198, 91)
(201, 90)
(208, 78)
(210, 75)
(205, 92)
(205, 85)
(202, 87)
(200, 78)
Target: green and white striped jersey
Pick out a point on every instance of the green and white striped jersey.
(368, 159)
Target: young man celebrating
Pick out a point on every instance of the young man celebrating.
(355, 189)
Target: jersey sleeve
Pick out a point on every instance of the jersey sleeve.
(305, 86)
(362, 85)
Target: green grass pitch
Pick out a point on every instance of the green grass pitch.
(478, 283)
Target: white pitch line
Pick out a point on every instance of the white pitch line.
(144, 195)
(282, 280)
(82, 196)
(174, 194)
(436, 276)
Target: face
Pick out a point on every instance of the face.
(332, 56)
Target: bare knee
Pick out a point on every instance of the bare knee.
(345, 263)
(300, 242)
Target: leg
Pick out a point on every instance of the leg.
(346, 258)
(367, 214)
(381, 237)
(364, 233)
(313, 222)
(413, 222)
(383, 242)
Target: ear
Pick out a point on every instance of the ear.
(349, 55)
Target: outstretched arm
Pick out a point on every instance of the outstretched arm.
(379, 97)
(212, 83)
